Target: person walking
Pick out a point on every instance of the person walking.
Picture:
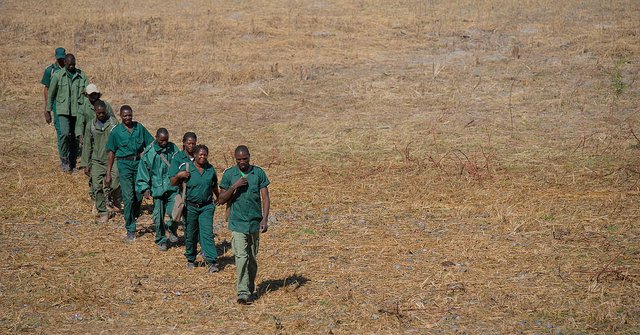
(245, 187)
(49, 71)
(153, 180)
(94, 160)
(65, 90)
(126, 142)
(201, 184)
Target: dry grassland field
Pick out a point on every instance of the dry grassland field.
(436, 167)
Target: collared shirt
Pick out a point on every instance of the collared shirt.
(200, 185)
(153, 171)
(88, 113)
(65, 91)
(48, 73)
(246, 203)
(124, 143)
(176, 160)
(96, 136)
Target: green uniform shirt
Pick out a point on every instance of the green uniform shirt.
(124, 143)
(94, 149)
(153, 172)
(48, 73)
(66, 90)
(88, 114)
(246, 204)
(177, 159)
(200, 185)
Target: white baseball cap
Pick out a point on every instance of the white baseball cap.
(92, 88)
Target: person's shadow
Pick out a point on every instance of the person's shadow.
(294, 282)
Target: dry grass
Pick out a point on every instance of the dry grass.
(436, 167)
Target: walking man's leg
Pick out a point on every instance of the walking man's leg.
(191, 234)
(207, 243)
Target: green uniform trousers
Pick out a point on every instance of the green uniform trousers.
(67, 140)
(198, 226)
(245, 249)
(130, 197)
(56, 125)
(161, 206)
(98, 171)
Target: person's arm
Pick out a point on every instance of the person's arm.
(226, 195)
(266, 203)
(52, 91)
(143, 177)
(110, 158)
(216, 192)
(80, 124)
(180, 176)
(87, 149)
(47, 114)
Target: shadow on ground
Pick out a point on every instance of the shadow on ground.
(293, 282)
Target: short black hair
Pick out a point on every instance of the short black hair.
(69, 57)
(126, 108)
(201, 147)
(189, 135)
(100, 104)
(242, 148)
(162, 131)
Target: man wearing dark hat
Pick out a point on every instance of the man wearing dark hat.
(66, 91)
(46, 81)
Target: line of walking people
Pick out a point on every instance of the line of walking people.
(123, 160)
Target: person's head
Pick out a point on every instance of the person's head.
(60, 53)
(201, 154)
(101, 111)
(126, 114)
(162, 137)
(70, 62)
(93, 93)
(189, 141)
(242, 155)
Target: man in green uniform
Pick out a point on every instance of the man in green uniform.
(87, 116)
(153, 177)
(67, 86)
(46, 81)
(94, 158)
(202, 183)
(244, 186)
(88, 113)
(126, 142)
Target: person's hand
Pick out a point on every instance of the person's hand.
(240, 182)
(183, 174)
(147, 195)
(107, 180)
(87, 171)
(80, 138)
(47, 117)
(264, 226)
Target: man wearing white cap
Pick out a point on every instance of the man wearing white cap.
(86, 117)
(88, 113)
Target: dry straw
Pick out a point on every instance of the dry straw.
(425, 177)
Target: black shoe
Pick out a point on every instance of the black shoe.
(131, 236)
(162, 247)
(190, 265)
(243, 299)
(172, 237)
(212, 267)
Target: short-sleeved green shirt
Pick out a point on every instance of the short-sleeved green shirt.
(48, 73)
(123, 143)
(178, 158)
(246, 204)
(200, 185)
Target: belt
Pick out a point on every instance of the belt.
(198, 204)
(130, 158)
